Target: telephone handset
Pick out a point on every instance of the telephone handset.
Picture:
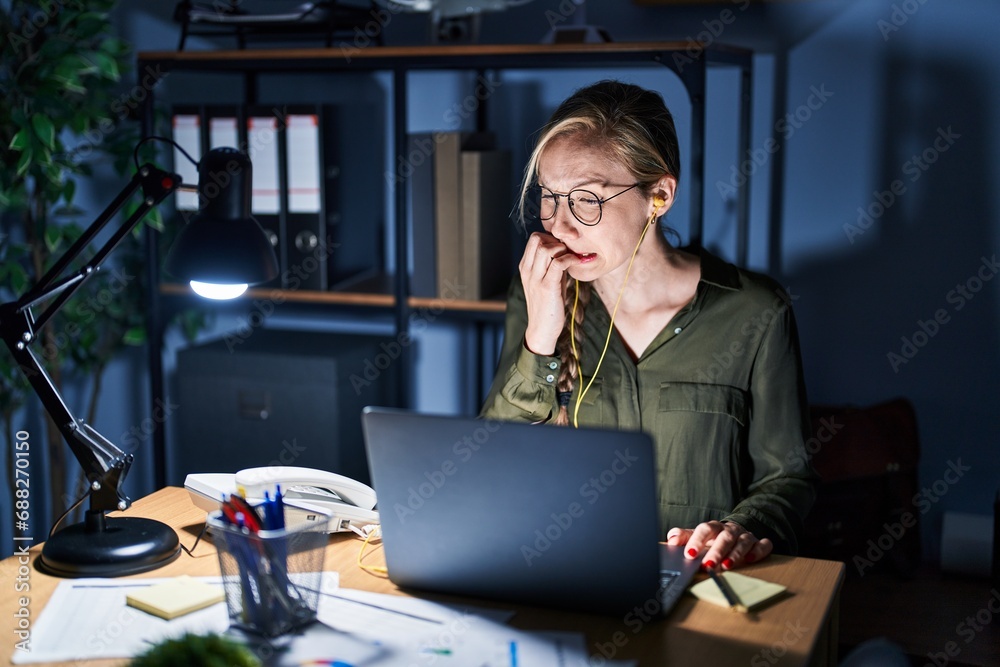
(306, 489)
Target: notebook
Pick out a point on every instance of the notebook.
(541, 515)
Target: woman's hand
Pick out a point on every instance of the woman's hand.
(728, 544)
(542, 266)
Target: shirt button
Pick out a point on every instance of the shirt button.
(553, 365)
(677, 330)
(550, 377)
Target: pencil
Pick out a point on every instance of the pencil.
(734, 601)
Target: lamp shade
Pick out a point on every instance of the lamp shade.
(223, 244)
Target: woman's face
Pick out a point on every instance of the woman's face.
(567, 164)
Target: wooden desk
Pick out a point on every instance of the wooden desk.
(799, 630)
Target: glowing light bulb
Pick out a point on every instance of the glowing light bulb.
(217, 291)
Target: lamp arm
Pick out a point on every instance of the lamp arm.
(156, 185)
(104, 464)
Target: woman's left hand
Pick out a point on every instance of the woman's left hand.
(728, 544)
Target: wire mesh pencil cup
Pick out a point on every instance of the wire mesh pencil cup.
(272, 578)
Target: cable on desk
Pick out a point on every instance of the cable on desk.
(370, 569)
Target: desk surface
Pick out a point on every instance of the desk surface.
(801, 629)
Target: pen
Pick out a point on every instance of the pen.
(279, 507)
(734, 601)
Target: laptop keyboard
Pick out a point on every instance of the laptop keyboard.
(668, 592)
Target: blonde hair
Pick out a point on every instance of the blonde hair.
(632, 124)
(634, 128)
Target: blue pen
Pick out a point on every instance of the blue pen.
(269, 518)
(279, 510)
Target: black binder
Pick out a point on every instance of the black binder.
(263, 136)
(307, 155)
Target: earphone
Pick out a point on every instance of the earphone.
(658, 201)
(614, 312)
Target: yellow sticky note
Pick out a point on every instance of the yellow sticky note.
(176, 597)
(751, 591)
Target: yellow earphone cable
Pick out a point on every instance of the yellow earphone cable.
(611, 327)
(371, 569)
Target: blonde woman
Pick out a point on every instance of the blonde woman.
(610, 325)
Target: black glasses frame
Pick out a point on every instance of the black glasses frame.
(569, 198)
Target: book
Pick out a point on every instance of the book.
(485, 225)
(420, 204)
(448, 204)
(177, 597)
(751, 591)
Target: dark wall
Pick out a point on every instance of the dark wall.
(879, 299)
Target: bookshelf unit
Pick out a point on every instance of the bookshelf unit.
(388, 294)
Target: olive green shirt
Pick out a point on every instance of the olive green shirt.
(720, 390)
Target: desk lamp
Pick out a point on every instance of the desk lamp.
(228, 250)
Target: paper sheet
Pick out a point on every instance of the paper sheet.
(88, 619)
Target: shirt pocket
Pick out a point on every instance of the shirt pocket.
(704, 398)
(701, 431)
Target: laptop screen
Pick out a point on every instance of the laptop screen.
(534, 514)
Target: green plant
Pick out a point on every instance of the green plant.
(64, 115)
(197, 651)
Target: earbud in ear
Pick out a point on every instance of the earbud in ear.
(659, 201)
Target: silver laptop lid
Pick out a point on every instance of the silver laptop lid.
(534, 514)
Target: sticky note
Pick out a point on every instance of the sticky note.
(176, 597)
(751, 591)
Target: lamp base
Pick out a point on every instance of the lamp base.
(109, 547)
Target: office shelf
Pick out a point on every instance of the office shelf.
(391, 292)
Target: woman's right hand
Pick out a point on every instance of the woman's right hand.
(542, 266)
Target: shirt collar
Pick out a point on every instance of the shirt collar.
(718, 272)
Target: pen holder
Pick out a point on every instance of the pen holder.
(272, 577)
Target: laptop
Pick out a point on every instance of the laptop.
(539, 515)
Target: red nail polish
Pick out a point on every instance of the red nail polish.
(749, 558)
(728, 563)
(692, 553)
(709, 565)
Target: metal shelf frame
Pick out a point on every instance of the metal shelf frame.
(688, 62)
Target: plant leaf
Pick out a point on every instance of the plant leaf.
(53, 237)
(44, 130)
(135, 336)
(24, 162)
(106, 66)
(20, 140)
(18, 278)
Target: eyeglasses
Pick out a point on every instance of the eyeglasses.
(585, 206)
